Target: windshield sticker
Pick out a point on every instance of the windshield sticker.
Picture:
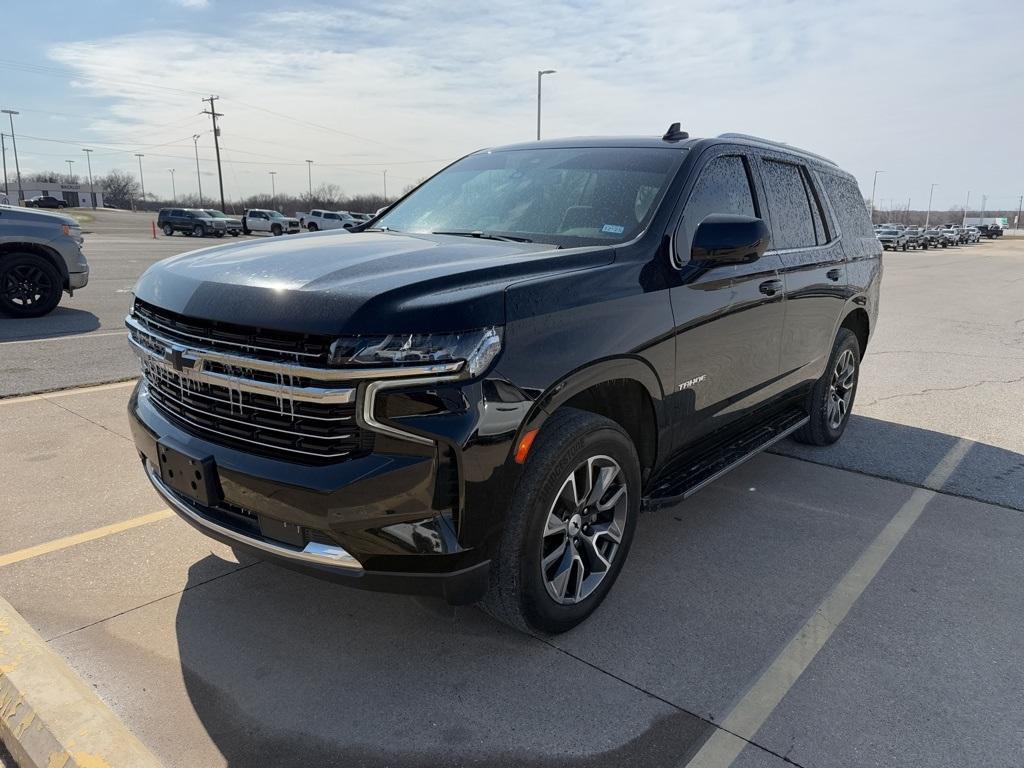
(613, 229)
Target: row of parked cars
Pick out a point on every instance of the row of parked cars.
(897, 237)
(201, 222)
(319, 219)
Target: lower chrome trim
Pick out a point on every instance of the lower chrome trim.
(369, 397)
(320, 554)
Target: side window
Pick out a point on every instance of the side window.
(850, 209)
(722, 187)
(822, 231)
(792, 224)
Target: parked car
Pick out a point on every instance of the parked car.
(317, 219)
(475, 397)
(193, 222)
(914, 238)
(951, 235)
(892, 239)
(990, 231)
(46, 201)
(274, 222)
(973, 235)
(40, 257)
(231, 224)
(936, 239)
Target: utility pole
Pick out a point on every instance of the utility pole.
(3, 150)
(1020, 205)
(967, 205)
(214, 114)
(540, 74)
(70, 173)
(142, 180)
(928, 216)
(385, 185)
(199, 179)
(874, 184)
(273, 187)
(14, 143)
(309, 171)
(984, 199)
(92, 188)
(174, 192)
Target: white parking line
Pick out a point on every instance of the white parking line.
(65, 338)
(749, 714)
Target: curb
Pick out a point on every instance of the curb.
(49, 717)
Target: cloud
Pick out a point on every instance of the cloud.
(431, 80)
(193, 3)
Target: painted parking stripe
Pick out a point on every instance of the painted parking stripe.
(65, 338)
(81, 538)
(749, 714)
(67, 392)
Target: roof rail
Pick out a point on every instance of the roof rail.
(781, 144)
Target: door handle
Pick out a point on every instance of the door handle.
(834, 275)
(770, 287)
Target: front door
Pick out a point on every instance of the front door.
(728, 320)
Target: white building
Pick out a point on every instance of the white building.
(76, 195)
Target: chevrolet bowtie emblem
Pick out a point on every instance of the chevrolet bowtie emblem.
(175, 357)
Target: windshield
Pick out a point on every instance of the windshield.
(275, 214)
(215, 214)
(568, 197)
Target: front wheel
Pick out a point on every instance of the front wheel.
(569, 525)
(276, 230)
(30, 286)
(220, 233)
(234, 233)
(198, 231)
(831, 399)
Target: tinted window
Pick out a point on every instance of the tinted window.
(723, 187)
(848, 204)
(792, 224)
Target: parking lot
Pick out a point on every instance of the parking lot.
(858, 605)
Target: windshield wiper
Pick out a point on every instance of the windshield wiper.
(485, 236)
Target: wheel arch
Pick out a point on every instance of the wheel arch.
(54, 258)
(858, 321)
(626, 390)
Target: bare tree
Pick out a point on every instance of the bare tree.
(120, 189)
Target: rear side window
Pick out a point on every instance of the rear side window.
(722, 187)
(849, 206)
(793, 225)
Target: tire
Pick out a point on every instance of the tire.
(30, 286)
(245, 228)
(827, 424)
(220, 233)
(276, 230)
(62, 205)
(168, 230)
(904, 247)
(234, 233)
(543, 519)
(312, 227)
(198, 231)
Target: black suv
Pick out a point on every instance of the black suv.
(475, 394)
(195, 222)
(45, 201)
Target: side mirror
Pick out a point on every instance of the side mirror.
(723, 238)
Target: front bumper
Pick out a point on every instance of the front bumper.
(78, 280)
(369, 522)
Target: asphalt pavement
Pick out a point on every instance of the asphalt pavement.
(851, 606)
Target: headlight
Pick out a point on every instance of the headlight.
(477, 349)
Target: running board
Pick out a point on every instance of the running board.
(684, 476)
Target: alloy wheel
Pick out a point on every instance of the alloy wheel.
(584, 529)
(840, 390)
(25, 285)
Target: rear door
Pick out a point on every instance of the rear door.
(728, 319)
(813, 269)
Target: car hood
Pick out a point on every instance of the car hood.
(35, 215)
(370, 282)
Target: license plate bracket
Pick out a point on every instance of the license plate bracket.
(194, 477)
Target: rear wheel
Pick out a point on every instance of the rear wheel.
(312, 227)
(569, 525)
(30, 286)
(831, 399)
(168, 230)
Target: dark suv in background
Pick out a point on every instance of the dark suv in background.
(475, 395)
(195, 222)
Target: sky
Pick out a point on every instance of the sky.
(928, 92)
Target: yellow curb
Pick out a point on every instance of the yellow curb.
(49, 717)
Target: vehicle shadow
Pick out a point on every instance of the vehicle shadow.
(909, 454)
(63, 321)
(286, 670)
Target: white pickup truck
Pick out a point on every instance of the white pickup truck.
(318, 219)
(261, 220)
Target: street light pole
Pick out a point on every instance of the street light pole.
(273, 187)
(174, 192)
(199, 179)
(92, 188)
(874, 184)
(14, 143)
(142, 181)
(540, 74)
(928, 215)
(3, 152)
(309, 172)
(967, 205)
(984, 199)
(385, 185)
